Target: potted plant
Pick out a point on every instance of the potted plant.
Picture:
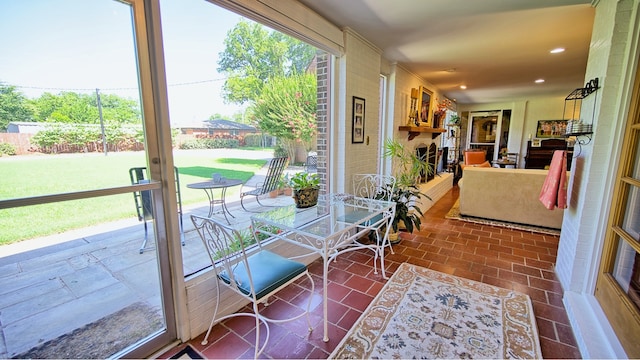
(305, 189)
(408, 167)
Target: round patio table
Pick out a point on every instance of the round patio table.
(209, 187)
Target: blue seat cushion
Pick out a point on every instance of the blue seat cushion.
(357, 216)
(268, 271)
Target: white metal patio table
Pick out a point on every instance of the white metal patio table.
(329, 229)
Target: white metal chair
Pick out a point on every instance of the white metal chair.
(144, 208)
(253, 273)
(375, 186)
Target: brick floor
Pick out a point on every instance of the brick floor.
(522, 261)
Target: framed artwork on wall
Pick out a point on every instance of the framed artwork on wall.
(357, 129)
(551, 128)
(425, 112)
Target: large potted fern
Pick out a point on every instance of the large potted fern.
(407, 169)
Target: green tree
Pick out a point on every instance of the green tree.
(14, 106)
(71, 107)
(286, 109)
(253, 54)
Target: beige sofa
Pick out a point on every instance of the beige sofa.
(507, 195)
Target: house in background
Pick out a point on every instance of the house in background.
(217, 128)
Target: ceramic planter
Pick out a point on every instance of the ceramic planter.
(305, 198)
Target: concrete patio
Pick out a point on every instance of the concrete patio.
(51, 286)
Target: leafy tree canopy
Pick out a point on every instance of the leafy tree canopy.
(14, 106)
(71, 107)
(253, 54)
(286, 109)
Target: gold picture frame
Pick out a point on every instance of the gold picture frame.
(425, 110)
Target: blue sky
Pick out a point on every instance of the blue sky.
(81, 45)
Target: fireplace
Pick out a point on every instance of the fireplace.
(428, 153)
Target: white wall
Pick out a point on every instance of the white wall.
(612, 59)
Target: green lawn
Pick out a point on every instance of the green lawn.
(51, 174)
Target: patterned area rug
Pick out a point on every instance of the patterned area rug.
(422, 313)
(454, 213)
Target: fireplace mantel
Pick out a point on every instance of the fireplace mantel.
(416, 130)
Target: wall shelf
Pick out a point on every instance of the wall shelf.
(417, 130)
(575, 127)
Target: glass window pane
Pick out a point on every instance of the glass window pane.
(627, 271)
(83, 101)
(88, 292)
(631, 219)
(636, 164)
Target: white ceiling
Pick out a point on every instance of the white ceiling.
(497, 48)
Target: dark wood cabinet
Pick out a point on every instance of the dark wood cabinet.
(540, 157)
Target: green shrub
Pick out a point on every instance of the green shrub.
(280, 151)
(253, 140)
(210, 144)
(7, 149)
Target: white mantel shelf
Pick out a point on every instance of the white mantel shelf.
(417, 130)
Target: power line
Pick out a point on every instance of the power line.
(114, 89)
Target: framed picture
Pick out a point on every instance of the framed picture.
(357, 130)
(425, 112)
(551, 128)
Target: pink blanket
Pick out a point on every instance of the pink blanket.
(554, 189)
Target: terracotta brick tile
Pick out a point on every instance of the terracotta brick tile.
(549, 275)
(550, 312)
(451, 253)
(481, 233)
(484, 270)
(535, 272)
(534, 294)
(349, 319)
(526, 253)
(487, 253)
(511, 258)
(548, 258)
(317, 353)
(443, 244)
(337, 291)
(498, 263)
(459, 263)
(500, 248)
(337, 275)
(359, 283)
(515, 244)
(420, 262)
(555, 350)
(482, 243)
(474, 258)
(442, 268)
(501, 236)
(291, 347)
(544, 284)
(412, 252)
(546, 328)
(436, 258)
(376, 287)
(497, 282)
(230, 346)
(565, 334)
(361, 269)
(357, 300)
(468, 274)
(543, 265)
(397, 257)
(555, 299)
(512, 276)
(490, 240)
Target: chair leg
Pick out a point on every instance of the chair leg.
(146, 233)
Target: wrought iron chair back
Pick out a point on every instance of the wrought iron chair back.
(144, 208)
(251, 272)
(271, 180)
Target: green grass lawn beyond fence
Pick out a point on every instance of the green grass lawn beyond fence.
(51, 174)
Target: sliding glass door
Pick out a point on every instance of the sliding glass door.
(74, 283)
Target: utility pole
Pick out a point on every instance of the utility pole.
(104, 138)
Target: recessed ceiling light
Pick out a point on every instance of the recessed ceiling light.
(463, 87)
(557, 50)
(539, 81)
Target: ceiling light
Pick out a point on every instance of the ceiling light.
(557, 50)
(451, 70)
(463, 87)
(539, 81)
